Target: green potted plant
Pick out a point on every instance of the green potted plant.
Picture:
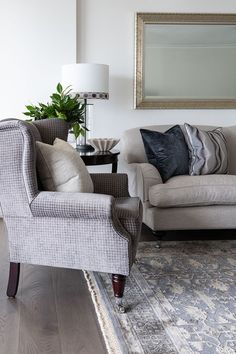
(63, 105)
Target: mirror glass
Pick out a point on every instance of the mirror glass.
(186, 64)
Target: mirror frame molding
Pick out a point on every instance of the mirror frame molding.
(143, 18)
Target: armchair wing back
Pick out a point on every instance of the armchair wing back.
(52, 128)
(18, 178)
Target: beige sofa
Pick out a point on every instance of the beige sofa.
(183, 202)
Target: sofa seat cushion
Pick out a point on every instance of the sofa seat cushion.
(185, 191)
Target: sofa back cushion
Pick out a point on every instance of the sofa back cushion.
(132, 144)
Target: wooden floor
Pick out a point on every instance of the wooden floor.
(53, 312)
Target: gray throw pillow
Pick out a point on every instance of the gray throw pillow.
(207, 150)
(168, 151)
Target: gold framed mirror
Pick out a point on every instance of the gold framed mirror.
(185, 61)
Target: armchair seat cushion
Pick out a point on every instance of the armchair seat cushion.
(185, 191)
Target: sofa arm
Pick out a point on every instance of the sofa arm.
(142, 177)
(230, 135)
(73, 205)
(115, 184)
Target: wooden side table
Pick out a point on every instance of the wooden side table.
(92, 158)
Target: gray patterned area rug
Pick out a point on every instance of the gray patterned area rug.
(181, 299)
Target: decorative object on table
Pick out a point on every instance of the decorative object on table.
(63, 105)
(103, 144)
(208, 151)
(181, 297)
(88, 81)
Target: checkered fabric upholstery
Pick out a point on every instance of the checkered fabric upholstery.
(52, 128)
(113, 184)
(93, 231)
(130, 214)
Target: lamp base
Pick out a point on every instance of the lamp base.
(84, 148)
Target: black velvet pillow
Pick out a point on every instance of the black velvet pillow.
(168, 151)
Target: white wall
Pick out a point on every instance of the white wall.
(36, 38)
(106, 35)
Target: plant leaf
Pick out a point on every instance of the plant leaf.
(59, 88)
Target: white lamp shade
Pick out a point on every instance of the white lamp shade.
(87, 80)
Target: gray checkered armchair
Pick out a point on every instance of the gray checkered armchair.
(92, 231)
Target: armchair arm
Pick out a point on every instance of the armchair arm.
(144, 175)
(72, 205)
(115, 184)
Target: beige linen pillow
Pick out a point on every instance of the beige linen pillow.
(60, 168)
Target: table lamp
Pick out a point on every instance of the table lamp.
(88, 81)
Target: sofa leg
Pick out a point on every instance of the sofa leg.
(118, 283)
(13, 281)
(158, 235)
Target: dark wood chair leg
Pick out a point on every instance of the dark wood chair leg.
(13, 281)
(118, 283)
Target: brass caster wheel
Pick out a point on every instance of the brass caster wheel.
(121, 309)
(120, 306)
